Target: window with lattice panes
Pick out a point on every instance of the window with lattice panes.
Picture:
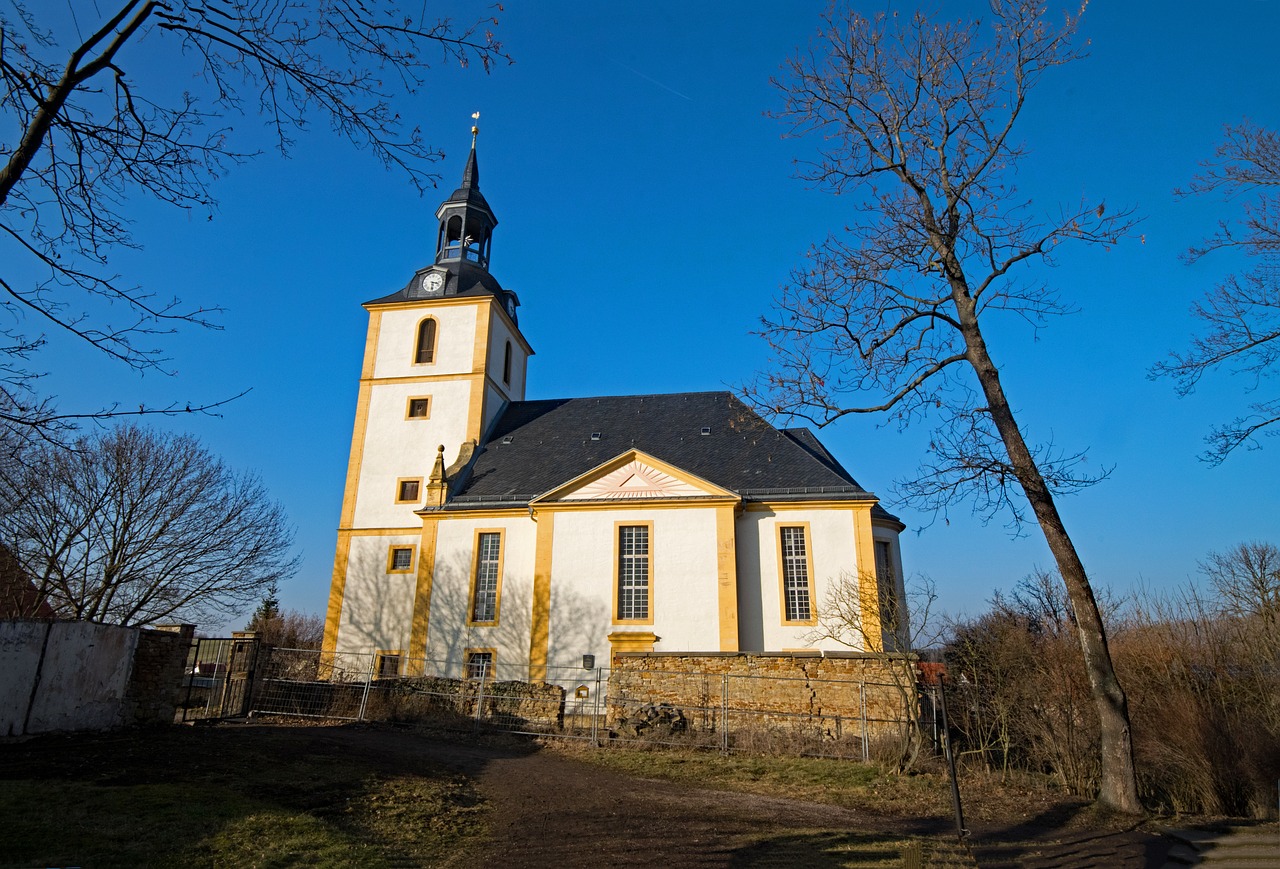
(401, 559)
(795, 574)
(633, 572)
(479, 665)
(484, 595)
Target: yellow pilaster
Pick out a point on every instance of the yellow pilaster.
(422, 595)
(540, 622)
(868, 585)
(337, 588)
(479, 365)
(727, 578)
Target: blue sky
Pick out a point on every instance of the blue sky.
(648, 215)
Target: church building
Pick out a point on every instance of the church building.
(515, 536)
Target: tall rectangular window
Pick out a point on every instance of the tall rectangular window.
(892, 614)
(884, 564)
(795, 575)
(633, 572)
(484, 595)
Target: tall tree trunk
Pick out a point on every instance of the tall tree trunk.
(1118, 789)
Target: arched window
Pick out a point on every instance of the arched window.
(506, 365)
(425, 349)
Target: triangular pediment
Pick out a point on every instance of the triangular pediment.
(635, 476)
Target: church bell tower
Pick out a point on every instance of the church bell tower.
(443, 356)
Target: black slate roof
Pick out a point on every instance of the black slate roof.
(536, 446)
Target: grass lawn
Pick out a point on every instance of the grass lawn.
(194, 797)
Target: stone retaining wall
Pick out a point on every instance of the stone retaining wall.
(830, 694)
(508, 703)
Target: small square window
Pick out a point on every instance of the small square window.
(479, 665)
(401, 559)
(407, 490)
(388, 665)
(419, 408)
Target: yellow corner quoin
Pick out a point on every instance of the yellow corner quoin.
(360, 429)
(727, 578)
(868, 585)
(422, 593)
(336, 590)
(540, 622)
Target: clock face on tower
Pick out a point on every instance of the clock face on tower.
(511, 308)
(433, 284)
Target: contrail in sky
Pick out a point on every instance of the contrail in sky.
(653, 80)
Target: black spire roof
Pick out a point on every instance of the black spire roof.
(469, 191)
(466, 224)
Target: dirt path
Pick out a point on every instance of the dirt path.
(543, 808)
(549, 810)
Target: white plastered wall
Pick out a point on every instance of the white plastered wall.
(396, 447)
(832, 554)
(499, 335)
(455, 341)
(682, 570)
(377, 606)
(448, 634)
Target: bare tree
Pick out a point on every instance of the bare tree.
(890, 631)
(286, 629)
(918, 116)
(132, 526)
(1247, 580)
(85, 137)
(1241, 315)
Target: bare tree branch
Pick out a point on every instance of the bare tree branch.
(90, 140)
(1241, 315)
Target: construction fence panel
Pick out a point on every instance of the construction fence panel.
(751, 714)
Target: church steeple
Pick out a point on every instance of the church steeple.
(466, 220)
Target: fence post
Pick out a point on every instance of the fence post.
(724, 715)
(368, 683)
(862, 714)
(484, 671)
(595, 713)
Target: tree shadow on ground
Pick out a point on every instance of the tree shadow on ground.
(1070, 835)
(244, 794)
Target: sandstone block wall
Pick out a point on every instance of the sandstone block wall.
(508, 703)
(831, 692)
(155, 686)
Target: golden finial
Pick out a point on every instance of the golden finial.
(475, 128)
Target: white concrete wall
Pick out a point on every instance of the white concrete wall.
(832, 554)
(448, 634)
(683, 568)
(377, 606)
(79, 685)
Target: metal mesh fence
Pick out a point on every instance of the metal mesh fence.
(728, 712)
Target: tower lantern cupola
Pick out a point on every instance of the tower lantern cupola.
(466, 220)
